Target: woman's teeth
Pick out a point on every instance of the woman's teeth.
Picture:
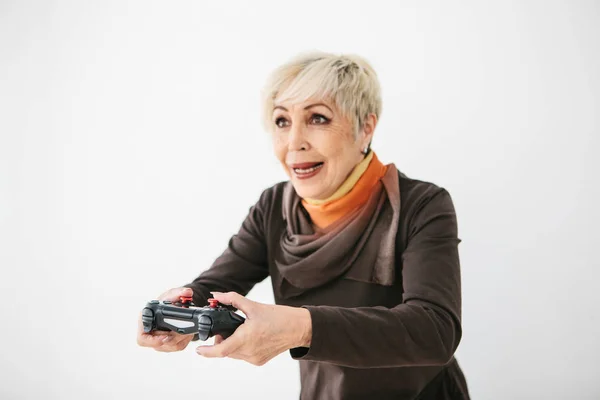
(307, 170)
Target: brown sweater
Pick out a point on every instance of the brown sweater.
(369, 341)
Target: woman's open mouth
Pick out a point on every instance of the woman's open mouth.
(306, 170)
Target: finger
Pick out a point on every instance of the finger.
(224, 349)
(151, 340)
(218, 339)
(168, 349)
(236, 300)
(178, 343)
(178, 339)
(169, 337)
(175, 294)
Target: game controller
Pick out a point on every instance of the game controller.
(186, 318)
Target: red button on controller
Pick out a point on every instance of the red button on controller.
(213, 303)
(184, 299)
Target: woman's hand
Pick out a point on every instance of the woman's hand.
(268, 331)
(163, 340)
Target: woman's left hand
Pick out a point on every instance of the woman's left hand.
(268, 331)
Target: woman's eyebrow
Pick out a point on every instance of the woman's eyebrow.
(318, 104)
(306, 108)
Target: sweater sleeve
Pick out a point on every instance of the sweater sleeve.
(241, 265)
(425, 329)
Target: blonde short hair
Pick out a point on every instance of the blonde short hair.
(348, 80)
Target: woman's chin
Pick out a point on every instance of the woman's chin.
(306, 191)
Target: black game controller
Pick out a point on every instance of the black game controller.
(186, 318)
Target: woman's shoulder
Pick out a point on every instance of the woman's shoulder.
(417, 187)
(272, 197)
(274, 193)
(416, 194)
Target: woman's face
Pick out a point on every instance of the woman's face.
(316, 146)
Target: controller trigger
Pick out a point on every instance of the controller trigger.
(185, 299)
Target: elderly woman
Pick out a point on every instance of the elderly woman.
(363, 259)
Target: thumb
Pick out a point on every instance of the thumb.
(175, 294)
(236, 300)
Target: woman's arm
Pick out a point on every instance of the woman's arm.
(425, 329)
(242, 264)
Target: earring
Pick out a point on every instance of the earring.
(365, 150)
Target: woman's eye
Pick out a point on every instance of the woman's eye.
(281, 122)
(319, 119)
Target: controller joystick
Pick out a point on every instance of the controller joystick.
(213, 303)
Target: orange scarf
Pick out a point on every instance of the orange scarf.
(325, 214)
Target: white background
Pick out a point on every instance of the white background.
(131, 149)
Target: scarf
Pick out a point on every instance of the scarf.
(360, 245)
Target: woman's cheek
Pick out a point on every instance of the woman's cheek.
(286, 169)
(279, 148)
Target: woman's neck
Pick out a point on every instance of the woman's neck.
(348, 184)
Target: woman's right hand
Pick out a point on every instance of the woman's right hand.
(162, 340)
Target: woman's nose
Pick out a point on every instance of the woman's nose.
(297, 137)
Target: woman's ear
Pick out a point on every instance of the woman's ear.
(368, 130)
